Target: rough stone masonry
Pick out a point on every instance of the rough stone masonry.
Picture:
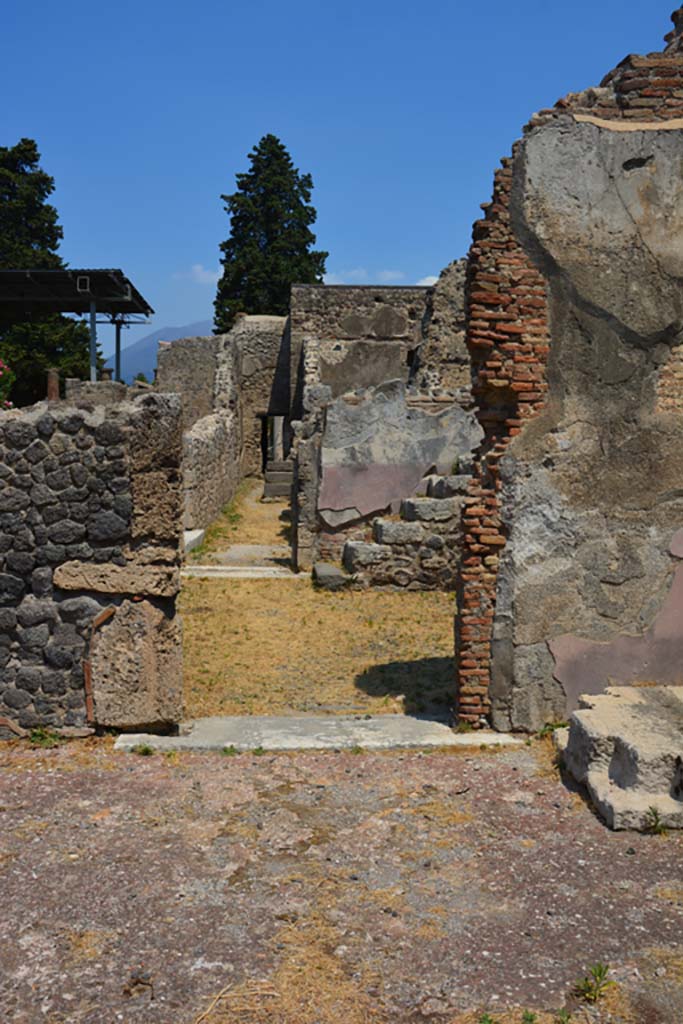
(575, 329)
(90, 548)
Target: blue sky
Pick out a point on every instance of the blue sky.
(144, 112)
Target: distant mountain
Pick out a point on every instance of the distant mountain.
(141, 357)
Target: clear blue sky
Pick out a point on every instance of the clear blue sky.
(144, 112)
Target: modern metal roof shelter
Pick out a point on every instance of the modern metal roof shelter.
(107, 293)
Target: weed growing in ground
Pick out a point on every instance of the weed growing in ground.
(258, 751)
(143, 749)
(464, 727)
(42, 737)
(563, 1017)
(356, 749)
(653, 822)
(230, 751)
(594, 985)
(486, 1019)
(550, 728)
(528, 1017)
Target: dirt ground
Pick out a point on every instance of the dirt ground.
(280, 647)
(324, 889)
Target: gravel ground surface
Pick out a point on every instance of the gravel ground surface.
(295, 889)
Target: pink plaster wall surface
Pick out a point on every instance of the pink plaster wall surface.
(370, 488)
(656, 656)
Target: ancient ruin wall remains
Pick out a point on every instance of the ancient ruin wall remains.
(575, 317)
(90, 548)
(384, 388)
(228, 385)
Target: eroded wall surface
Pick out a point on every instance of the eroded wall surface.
(384, 379)
(227, 384)
(575, 303)
(90, 544)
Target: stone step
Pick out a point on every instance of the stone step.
(430, 510)
(280, 490)
(387, 531)
(282, 466)
(447, 486)
(275, 477)
(626, 747)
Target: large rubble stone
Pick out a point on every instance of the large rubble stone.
(626, 747)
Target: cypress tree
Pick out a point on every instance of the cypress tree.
(30, 234)
(271, 243)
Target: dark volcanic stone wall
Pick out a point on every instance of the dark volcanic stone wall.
(89, 522)
(575, 305)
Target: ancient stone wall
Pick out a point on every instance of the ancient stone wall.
(379, 414)
(187, 367)
(263, 374)
(443, 362)
(575, 317)
(90, 546)
(228, 385)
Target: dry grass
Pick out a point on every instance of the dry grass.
(281, 647)
(310, 985)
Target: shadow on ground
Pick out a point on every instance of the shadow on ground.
(427, 685)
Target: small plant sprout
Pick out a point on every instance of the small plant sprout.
(486, 1019)
(42, 737)
(143, 749)
(653, 822)
(230, 751)
(594, 985)
(550, 727)
(563, 1017)
(529, 1018)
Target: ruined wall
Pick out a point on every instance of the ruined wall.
(263, 373)
(575, 307)
(227, 384)
(90, 549)
(187, 367)
(443, 361)
(377, 417)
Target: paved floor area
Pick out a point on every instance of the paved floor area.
(322, 888)
(314, 732)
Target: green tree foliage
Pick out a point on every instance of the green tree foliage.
(29, 238)
(271, 243)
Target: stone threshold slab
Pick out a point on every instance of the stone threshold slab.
(314, 732)
(243, 572)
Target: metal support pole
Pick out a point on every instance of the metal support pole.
(117, 356)
(93, 341)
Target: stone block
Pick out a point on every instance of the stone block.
(136, 668)
(358, 554)
(448, 486)
(329, 577)
(105, 578)
(386, 531)
(430, 510)
(626, 747)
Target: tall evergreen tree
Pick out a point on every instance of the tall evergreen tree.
(29, 238)
(271, 243)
